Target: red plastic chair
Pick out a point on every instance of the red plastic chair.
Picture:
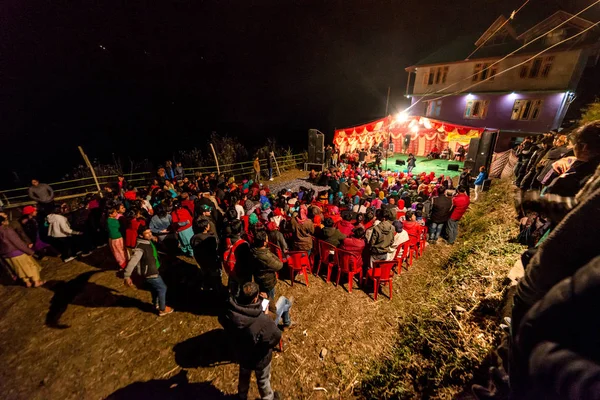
(382, 272)
(327, 257)
(413, 249)
(402, 255)
(278, 252)
(298, 262)
(351, 264)
(314, 254)
(424, 235)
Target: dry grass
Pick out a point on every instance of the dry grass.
(451, 325)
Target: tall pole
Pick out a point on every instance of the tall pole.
(216, 161)
(89, 164)
(387, 102)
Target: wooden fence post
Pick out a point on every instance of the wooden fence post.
(216, 161)
(89, 164)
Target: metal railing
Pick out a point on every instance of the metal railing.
(73, 188)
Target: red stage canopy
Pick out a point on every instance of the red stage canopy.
(424, 133)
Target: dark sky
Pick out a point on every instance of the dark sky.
(146, 78)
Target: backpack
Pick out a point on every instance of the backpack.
(229, 260)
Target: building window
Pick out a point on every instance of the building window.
(526, 110)
(435, 75)
(537, 68)
(434, 108)
(483, 72)
(476, 109)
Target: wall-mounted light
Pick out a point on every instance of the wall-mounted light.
(513, 95)
(470, 96)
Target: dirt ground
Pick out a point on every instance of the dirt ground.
(84, 335)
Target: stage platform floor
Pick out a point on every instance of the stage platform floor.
(423, 165)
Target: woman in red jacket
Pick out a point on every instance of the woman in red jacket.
(131, 232)
(182, 219)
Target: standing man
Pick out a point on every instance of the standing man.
(43, 194)
(256, 170)
(460, 204)
(270, 165)
(440, 214)
(254, 334)
(465, 180)
(406, 143)
(145, 258)
(328, 154)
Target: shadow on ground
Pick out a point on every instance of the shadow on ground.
(79, 291)
(210, 349)
(176, 388)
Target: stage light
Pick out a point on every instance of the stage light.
(415, 129)
(513, 95)
(470, 96)
(402, 117)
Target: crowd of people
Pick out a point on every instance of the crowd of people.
(232, 226)
(551, 348)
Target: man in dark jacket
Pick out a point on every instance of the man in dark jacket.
(330, 234)
(254, 334)
(243, 257)
(382, 236)
(441, 209)
(557, 341)
(264, 264)
(465, 180)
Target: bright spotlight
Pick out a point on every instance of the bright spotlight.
(402, 116)
(513, 95)
(415, 128)
(470, 96)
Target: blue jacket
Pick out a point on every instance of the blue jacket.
(480, 178)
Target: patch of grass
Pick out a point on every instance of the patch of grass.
(449, 329)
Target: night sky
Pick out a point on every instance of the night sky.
(144, 79)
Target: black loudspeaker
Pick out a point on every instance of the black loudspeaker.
(485, 151)
(316, 147)
(453, 167)
(472, 153)
(400, 162)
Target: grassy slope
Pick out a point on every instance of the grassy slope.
(451, 324)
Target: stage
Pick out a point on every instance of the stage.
(440, 167)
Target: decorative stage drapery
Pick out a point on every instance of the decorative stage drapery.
(425, 133)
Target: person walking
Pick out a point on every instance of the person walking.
(18, 255)
(182, 218)
(115, 238)
(145, 258)
(256, 167)
(253, 335)
(411, 163)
